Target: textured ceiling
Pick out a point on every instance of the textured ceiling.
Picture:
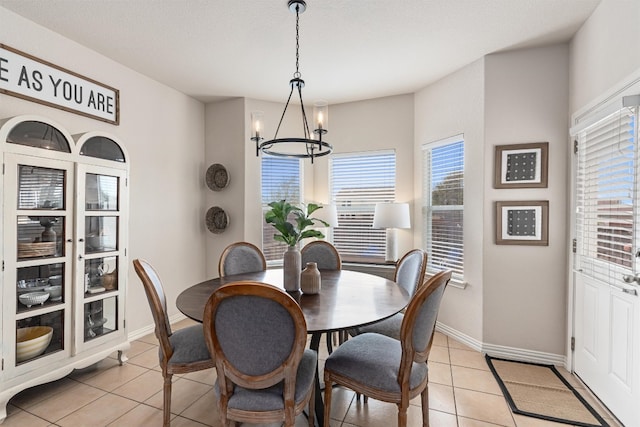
(349, 49)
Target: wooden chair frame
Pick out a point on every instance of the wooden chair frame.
(409, 355)
(158, 304)
(423, 267)
(228, 250)
(228, 375)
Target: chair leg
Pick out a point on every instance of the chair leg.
(328, 387)
(424, 397)
(312, 407)
(365, 398)
(402, 416)
(166, 409)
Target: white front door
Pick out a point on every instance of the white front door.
(607, 306)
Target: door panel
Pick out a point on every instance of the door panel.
(620, 350)
(589, 320)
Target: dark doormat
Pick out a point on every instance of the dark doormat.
(540, 391)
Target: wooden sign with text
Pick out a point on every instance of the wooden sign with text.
(31, 78)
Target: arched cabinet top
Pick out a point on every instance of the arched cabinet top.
(42, 137)
(35, 132)
(101, 145)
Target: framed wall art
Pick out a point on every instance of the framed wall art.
(521, 165)
(522, 223)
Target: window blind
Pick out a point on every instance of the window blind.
(443, 209)
(280, 179)
(358, 182)
(40, 188)
(606, 195)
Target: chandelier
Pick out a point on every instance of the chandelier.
(305, 147)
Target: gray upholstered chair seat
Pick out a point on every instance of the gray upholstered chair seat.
(270, 399)
(389, 327)
(409, 275)
(188, 345)
(378, 359)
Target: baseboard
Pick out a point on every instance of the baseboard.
(459, 336)
(524, 355)
(139, 333)
(503, 352)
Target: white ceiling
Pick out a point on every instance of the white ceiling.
(349, 49)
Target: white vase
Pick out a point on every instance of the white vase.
(291, 266)
(310, 279)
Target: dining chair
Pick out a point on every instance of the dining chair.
(387, 369)
(327, 257)
(409, 275)
(180, 352)
(241, 257)
(257, 335)
(322, 253)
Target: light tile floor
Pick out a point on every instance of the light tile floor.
(462, 393)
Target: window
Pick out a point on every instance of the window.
(280, 180)
(606, 195)
(358, 182)
(443, 208)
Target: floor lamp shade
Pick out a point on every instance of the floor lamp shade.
(391, 216)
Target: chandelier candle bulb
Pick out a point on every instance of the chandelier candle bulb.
(257, 117)
(321, 114)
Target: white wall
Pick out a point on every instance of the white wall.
(225, 144)
(512, 97)
(605, 51)
(452, 106)
(163, 131)
(526, 100)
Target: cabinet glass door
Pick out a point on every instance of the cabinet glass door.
(38, 258)
(100, 226)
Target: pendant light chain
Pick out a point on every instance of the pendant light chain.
(297, 74)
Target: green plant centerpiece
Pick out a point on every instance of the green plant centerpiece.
(291, 231)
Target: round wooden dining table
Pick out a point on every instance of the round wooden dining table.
(347, 299)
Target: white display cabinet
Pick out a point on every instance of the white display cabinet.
(64, 253)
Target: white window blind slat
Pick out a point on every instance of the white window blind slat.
(358, 182)
(281, 179)
(607, 169)
(40, 188)
(443, 209)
